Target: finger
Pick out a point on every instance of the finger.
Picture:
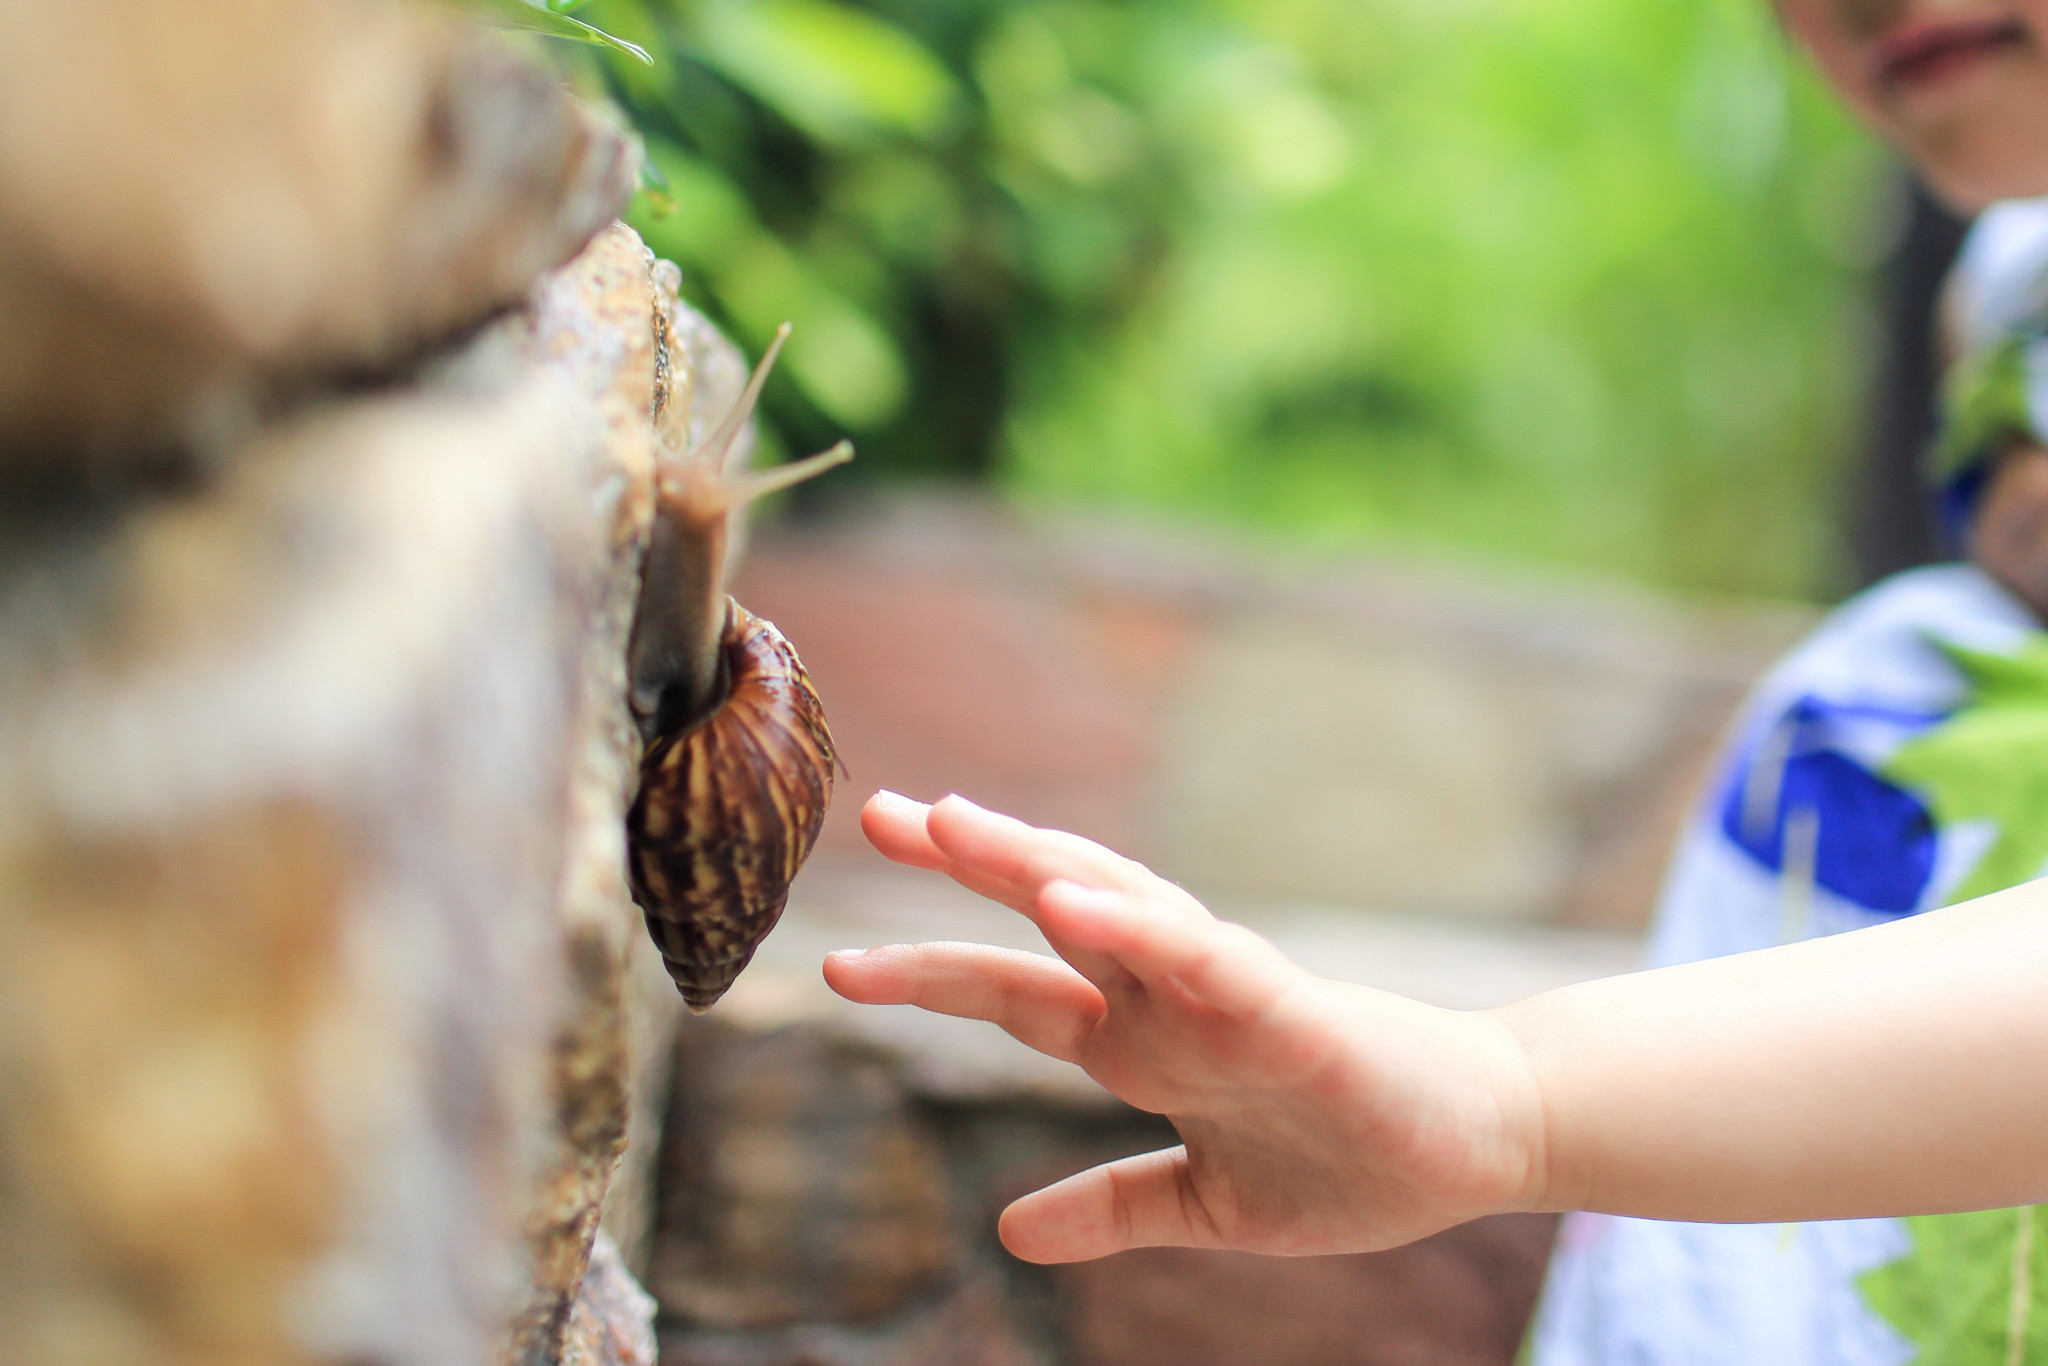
(1222, 965)
(1024, 857)
(911, 832)
(1039, 1001)
(896, 826)
(1147, 1201)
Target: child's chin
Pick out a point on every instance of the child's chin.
(1970, 186)
(1982, 145)
(1969, 173)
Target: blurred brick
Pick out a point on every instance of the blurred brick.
(973, 1325)
(938, 684)
(1461, 1298)
(798, 1185)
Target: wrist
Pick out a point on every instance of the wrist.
(1529, 1129)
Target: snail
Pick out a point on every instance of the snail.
(738, 766)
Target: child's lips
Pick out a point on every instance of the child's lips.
(1925, 54)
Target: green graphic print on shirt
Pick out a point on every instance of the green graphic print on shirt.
(1971, 1291)
(1974, 1289)
(1989, 762)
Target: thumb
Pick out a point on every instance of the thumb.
(1146, 1201)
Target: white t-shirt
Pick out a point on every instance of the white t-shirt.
(1800, 835)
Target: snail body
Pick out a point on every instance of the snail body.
(738, 765)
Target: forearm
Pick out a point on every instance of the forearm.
(1897, 1070)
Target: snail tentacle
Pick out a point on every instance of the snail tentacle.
(718, 446)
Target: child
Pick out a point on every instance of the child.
(1822, 822)
(1899, 1070)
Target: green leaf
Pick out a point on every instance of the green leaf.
(655, 197)
(1984, 405)
(535, 16)
(1989, 762)
(708, 216)
(834, 71)
(1953, 1296)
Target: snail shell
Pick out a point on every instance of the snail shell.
(738, 767)
(729, 810)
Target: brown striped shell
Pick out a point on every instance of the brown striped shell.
(728, 811)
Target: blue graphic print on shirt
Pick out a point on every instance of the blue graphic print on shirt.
(1868, 840)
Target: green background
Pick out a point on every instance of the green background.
(1579, 283)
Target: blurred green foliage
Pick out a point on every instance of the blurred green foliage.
(1571, 281)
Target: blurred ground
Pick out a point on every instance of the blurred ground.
(1456, 788)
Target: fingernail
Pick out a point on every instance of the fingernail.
(847, 955)
(888, 798)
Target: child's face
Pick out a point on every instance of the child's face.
(1960, 85)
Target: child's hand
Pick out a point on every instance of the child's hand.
(1316, 1117)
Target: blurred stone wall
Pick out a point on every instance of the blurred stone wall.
(1369, 734)
(314, 952)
